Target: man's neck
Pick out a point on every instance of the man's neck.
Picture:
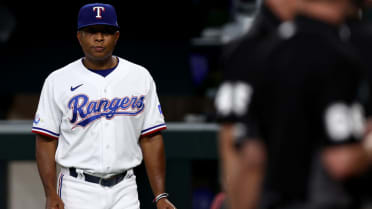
(282, 9)
(100, 64)
(324, 12)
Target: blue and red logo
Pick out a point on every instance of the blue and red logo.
(85, 111)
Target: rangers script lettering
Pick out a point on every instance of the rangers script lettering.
(90, 111)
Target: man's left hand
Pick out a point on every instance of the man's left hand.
(164, 203)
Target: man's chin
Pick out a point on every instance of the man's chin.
(99, 57)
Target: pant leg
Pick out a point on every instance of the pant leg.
(79, 194)
(125, 194)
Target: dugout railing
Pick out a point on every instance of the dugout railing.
(185, 144)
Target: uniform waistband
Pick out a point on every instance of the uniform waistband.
(110, 181)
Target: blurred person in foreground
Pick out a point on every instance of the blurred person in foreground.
(356, 191)
(238, 59)
(361, 39)
(303, 102)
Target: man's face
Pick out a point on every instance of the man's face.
(98, 41)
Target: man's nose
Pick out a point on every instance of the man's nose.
(99, 36)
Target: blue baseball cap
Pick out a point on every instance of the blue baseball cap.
(97, 14)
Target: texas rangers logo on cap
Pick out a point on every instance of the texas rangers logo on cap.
(99, 10)
(97, 14)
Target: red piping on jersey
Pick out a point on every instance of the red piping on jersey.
(153, 131)
(44, 134)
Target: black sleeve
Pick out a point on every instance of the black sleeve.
(342, 112)
(242, 76)
(234, 105)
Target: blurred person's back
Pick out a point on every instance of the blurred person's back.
(302, 101)
(308, 100)
(356, 191)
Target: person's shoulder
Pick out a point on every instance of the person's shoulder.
(361, 29)
(133, 67)
(65, 71)
(293, 40)
(246, 42)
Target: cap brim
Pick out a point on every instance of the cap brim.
(87, 25)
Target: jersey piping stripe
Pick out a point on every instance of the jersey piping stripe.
(60, 185)
(153, 129)
(44, 134)
(44, 130)
(148, 129)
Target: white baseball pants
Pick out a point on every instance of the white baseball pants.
(76, 193)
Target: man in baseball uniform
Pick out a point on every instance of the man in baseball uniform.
(98, 117)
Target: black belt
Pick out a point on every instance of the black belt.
(113, 180)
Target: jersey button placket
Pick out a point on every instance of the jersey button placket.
(103, 133)
(105, 90)
(106, 126)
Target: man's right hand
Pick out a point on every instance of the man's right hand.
(45, 157)
(54, 202)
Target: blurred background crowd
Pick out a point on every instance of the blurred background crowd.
(181, 43)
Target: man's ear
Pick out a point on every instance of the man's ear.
(78, 36)
(117, 35)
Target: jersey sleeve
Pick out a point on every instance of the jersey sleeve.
(48, 116)
(235, 103)
(241, 70)
(343, 113)
(154, 118)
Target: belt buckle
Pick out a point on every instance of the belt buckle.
(110, 181)
(106, 182)
(100, 181)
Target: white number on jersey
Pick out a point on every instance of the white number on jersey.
(343, 121)
(233, 98)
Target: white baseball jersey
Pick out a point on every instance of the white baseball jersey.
(99, 120)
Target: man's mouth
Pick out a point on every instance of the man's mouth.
(99, 48)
